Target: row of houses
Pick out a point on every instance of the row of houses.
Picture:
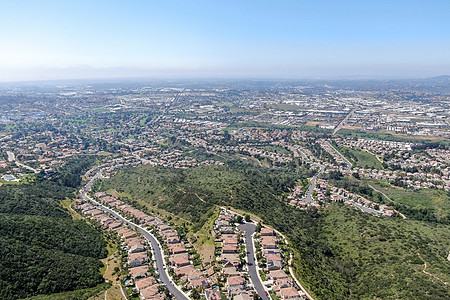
(138, 260)
(177, 254)
(270, 259)
(180, 260)
(228, 241)
(342, 195)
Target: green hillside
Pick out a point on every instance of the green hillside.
(340, 252)
(43, 250)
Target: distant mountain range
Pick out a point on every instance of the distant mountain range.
(439, 78)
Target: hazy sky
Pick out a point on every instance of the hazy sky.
(224, 38)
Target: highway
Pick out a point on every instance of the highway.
(336, 151)
(339, 127)
(249, 230)
(157, 251)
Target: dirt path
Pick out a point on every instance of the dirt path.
(199, 198)
(376, 190)
(425, 265)
(115, 292)
(377, 157)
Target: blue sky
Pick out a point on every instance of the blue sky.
(264, 38)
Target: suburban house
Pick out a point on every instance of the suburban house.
(138, 272)
(143, 283)
(137, 259)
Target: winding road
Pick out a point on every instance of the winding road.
(157, 251)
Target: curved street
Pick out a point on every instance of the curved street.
(249, 230)
(157, 251)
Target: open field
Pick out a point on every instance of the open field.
(203, 241)
(390, 136)
(67, 205)
(360, 158)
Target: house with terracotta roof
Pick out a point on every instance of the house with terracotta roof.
(138, 272)
(184, 270)
(230, 271)
(230, 248)
(137, 248)
(137, 259)
(243, 296)
(180, 261)
(114, 225)
(177, 248)
(278, 274)
(289, 293)
(267, 232)
(125, 232)
(134, 241)
(151, 292)
(145, 282)
(232, 258)
(235, 280)
(269, 242)
(230, 240)
(164, 227)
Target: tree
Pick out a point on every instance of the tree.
(247, 218)
(195, 294)
(258, 227)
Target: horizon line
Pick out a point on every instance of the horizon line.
(224, 78)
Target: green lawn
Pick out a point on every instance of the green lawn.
(387, 136)
(275, 148)
(143, 121)
(360, 158)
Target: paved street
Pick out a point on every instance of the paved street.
(160, 264)
(308, 195)
(249, 229)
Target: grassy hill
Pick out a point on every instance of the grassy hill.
(360, 158)
(430, 201)
(340, 252)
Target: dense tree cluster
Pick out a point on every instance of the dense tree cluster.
(43, 250)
